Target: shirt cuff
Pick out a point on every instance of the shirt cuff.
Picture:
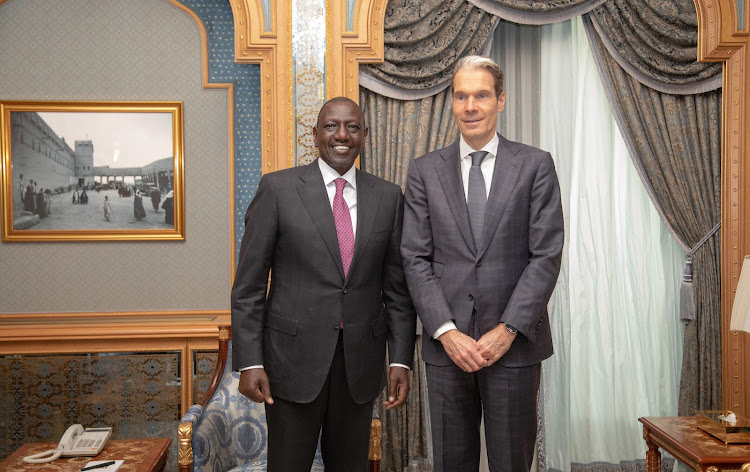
(447, 326)
(396, 364)
(259, 366)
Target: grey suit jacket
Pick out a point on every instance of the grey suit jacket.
(293, 328)
(510, 276)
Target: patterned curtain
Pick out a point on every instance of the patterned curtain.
(399, 131)
(655, 41)
(675, 141)
(402, 130)
(423, 40)
(530, 12)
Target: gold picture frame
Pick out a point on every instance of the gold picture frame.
(61, 161)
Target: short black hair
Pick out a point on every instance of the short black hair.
(340, 99)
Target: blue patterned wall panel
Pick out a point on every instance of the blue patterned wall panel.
(218, 22)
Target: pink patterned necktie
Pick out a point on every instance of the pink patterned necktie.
(343, 220)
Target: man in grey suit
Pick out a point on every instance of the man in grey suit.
(482, 243)
(313, 347)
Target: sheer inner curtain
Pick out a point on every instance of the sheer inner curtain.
(615, 313)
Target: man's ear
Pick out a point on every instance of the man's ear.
(500, 102)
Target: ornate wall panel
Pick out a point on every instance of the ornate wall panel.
(139, 375)
(355, 36)
(204, 364)
(720, 40)
(269, 45)
(309, 51)
(136, 393)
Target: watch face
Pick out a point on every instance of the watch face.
(511, 328)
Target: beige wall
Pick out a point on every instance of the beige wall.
(135, 50)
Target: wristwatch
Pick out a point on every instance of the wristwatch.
(510, 328)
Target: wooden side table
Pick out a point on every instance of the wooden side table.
(680, 436)
(140, 455)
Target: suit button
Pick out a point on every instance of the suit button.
(346, 290)
(471, 297)
(479, 264)
(337, 326)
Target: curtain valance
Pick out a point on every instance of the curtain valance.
(423, 41)
(655, 41)
(536, 12)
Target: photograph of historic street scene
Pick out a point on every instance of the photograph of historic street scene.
(92, 171)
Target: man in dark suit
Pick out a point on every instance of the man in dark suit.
(482, 243)
(313, 347)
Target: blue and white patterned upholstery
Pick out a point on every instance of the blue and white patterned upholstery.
(230, 434)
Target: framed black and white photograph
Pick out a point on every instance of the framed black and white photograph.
(92, 171)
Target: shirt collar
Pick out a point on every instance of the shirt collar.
(491, 147)
(329, 174)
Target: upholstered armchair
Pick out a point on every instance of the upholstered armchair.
(227, 431)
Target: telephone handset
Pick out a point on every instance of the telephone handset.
(75, 442)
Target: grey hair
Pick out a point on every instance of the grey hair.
(480, 62)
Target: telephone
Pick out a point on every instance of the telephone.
(76, 441)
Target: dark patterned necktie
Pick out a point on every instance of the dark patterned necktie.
(476, 199)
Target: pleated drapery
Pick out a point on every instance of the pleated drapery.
(614, 314)
(653, 40)
(527, 12)
(405, 128)
(676, 143)
(423, 42)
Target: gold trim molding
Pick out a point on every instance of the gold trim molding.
(272, 50)
(719, 40)
(346, 50)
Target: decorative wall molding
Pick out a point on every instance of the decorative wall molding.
(271, 47)
(720, 40)
(347, 49)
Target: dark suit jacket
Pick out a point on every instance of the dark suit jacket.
(293, 329)
(510, 276)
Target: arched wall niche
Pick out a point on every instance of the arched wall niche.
(721, 39)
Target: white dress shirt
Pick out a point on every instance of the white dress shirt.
(350, 190)
(488, 169)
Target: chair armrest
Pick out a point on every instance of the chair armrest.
(193, 414)
(185, 441)
(185, 438)
(375, 453)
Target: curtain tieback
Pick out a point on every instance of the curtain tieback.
(687, 303)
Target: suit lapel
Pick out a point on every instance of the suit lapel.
(504, 176)
(368, 202)
(312, 191)
(449, 173)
